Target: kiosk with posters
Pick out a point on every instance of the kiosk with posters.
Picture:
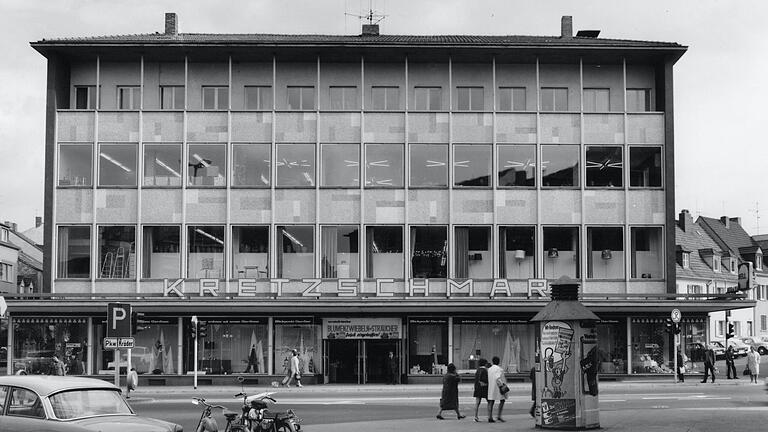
(357, 349)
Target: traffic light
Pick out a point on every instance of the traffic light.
(138, 323)
(193, 329)
(669, 326)
(678, 328)
(202, 329)
(731, 331)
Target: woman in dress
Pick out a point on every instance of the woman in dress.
(450, 398)
(481, 385)
(753, 363)
(495, 378)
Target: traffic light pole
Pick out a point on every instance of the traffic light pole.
(194, 330)
(674, 354)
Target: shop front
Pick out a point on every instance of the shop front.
(362, 350)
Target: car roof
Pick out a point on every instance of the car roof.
(45, 385)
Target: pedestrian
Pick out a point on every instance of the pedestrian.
(481, 384)
(132, 381)
(681, 365)
(730, 367)
(295, 372)
(450, 397)
(753, 363)
(709, 363)
(58, 366)
(391, 368)
(253, 361)
(532, 411)
(497, 389)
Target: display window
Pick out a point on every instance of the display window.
(650, 346)
(612, 346)
(233, 346)
(512, 341)
(40, 342)
(156, 349)
(302, 335)
(427, 346)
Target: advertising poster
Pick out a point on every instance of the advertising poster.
(558, 412)
(362, 328)
(557, 406)
(589, 364)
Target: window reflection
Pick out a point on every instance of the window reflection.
(645, 166)
(429, 252)
(161, 257)
(251, 164)
(250, 252)
(605, 252)
(340, 257)
(295, 164)
(517, 166)
(162, 165)
(117, 165)
(295, 251)
(516, 244)
(471, 165)
(383, 165)
(560, 166)
(604, 166)
(429, 165)
(384, 252)
(205, 257)
(117, 252)
(75, 164)
(561, 252)
(340, 164)
(207, 165)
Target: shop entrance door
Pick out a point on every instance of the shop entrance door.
(344, 361)
(377, 358)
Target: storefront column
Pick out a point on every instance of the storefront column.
(89, 348)
(270, 346)
(450, 339)
(179, 347)
(629, 345)
(9, 356)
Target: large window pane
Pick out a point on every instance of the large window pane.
(604, 167)
(250, 252)
(385, 98)
(511, 99)
(343, 98)
(295, 252)
(162, 165)
(161, 256)
(340, 257)
(384, 251)
(645, 166)
(295, 164)
(597, 100)
(234, 346)
(513, 343)
(207, 165)
(74, 252)
(517, 166)
(471, 165)
(117, 165)
(205, 258)
(427, 346)
(37, 339)
(340, 165)
(75, 164)
(554, 99)
(469, 98)
(429, 165)
(517, 260)
(117, 252)
(605, 252)
(155, 351)
(301, 97)
(647, 253)
(250, 165)
(384, 165)
(429, 252)
(258, 97)
(560, 166)
(612, 346)
(561, 252)
(427, 98)
(304, 337)
(638, 100)
(473, 253)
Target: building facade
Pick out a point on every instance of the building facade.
(348, 196)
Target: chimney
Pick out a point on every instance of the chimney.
(171, 27)
(566, 27)
(736, 219)
(685, 220)
(38, 221)
(370, 30)
(14, 227)
(726, 221)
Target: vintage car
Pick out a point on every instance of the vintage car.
(68, 404)
(760, 345)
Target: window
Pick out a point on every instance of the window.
(733, 265)
(648, 253)
(25, 403)
(470, 99)
(343, 98)
(215, 97)
(427, 98)
(205, 252)
(645, 167)
(715, 263)
(117, 252)
(429, 165)
(74, 252)
(384, 251)
(554, 99)
(295, 164)
(251, 165)
(162, 165)
(686, 260)
(3, 394)
(763, 323)
(605, 252)
(750, 329)
(511, 99)
(737, 328)
(295, 251)
(258, 97)
(172, 97)
(85, 97)
(429, 252)
(720, 328)
(206, 165)
(597, 100)
(517, 165)
(117, 164)
(473, 253)
(340, 256)
(250, 252)
(604, 167)
(161, 258)
(385, 98)
(427, 341)
(3, 235)
(301, 97)
(128, 97)
(80, 403)
(759, 262)
(75, 164)
(6, 273)
(560, 166)
(384, 165)
(638, 100)
(561, 252)
(340, 164)
(517, 252)
(475, 338)
(471, 165)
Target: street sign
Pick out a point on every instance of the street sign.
(128, 342)
(676, 315)
(118, 320)
(110, 343)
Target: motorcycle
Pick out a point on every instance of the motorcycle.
(208, 424)
(255, 409)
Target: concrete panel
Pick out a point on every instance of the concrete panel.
(472, 128)
(294, 206)
(340, 206)
(398, 288)
(206, 206)
(519, 75)
(296, 127)
(161, 205)
(427, 206)
(119, 126)
(384, 206)
(600, 287)
(516, 207)
(604, 128)
(72, 287)
(114, 74)
(645, 128)
(204, 74)
(474, 75)
(82, 73)
(560, 207)
(251, 127)
(646, 287)
(384, 128)
(116, 206)
(250, 206)
(207, 127)
(339, 127)
(563, 75)
(106, 286)
(163, 127)
(387, 75)
(606, 76)
(75, 126)
(74, 205)
(249, 74)
(646, 206)
(428, 128)
(604, 207)
(516, 128)
(560, 129)
(472, 206)
(151, 287)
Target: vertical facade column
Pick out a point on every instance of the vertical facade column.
(450, 339)
(272, 245)
(495, 251)
(180, 346)
(271, 345)
(228, 181)
(138, 237)
(88, 349)
(95, 164)
(627, 228)
(629, 344)
(185, 176)
(450, 250)
(539, 230)
(318, 238)
(363, 243)
(407, 183)
(582, 183)
(9, 343)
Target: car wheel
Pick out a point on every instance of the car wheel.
(762, 350)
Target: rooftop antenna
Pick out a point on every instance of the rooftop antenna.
(371, 16)
(756, 211)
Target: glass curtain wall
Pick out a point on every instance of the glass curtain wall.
(234, 346)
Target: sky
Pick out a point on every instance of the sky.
(721, 158)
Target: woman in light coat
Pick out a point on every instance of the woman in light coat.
(495, 377)
(753, 363)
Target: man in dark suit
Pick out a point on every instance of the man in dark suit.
(729, 365)
(709, 363)
(391, 368)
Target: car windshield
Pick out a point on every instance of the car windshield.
(74, 404)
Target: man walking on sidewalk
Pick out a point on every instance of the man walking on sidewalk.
(709, 363)
(729, 366)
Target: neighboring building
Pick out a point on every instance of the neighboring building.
(353, 195)
(9, 260)
(738, 248)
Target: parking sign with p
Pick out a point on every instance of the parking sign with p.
(118, 320)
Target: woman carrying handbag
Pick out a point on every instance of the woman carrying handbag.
(481, 385)
(497, 389)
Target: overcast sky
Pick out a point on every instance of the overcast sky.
(721, 154)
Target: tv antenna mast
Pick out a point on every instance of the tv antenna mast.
(372, 17)
(756, 211)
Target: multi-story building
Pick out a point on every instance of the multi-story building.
(348, 196)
